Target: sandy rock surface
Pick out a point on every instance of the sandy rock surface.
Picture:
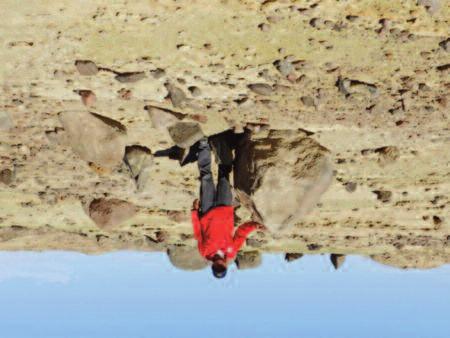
(369, 78)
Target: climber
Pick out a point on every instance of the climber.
(213, 215)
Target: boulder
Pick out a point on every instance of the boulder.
(413, 258)
(290, 257)
(94, 138)
(279, 175)
(248, 260)
(139, 160)
(109, 213)
(186, 258)
(185, 134)
(162, 118)
(337, 260)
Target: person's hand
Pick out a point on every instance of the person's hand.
(196, 204)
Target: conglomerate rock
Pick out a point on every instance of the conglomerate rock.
(370, 78)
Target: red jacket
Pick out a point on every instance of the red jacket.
(214, 231)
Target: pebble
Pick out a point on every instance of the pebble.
(88, 97)
(176, 95)
(6, 176)
(383, 195)
(308, 101)
(264, 27)
(351, 186)
(284, 67)
(158, 73)
(86, 67)
(129, 77)
(261, 88)
(445, 44)
(6, 122)
(195, 91)
(349, 86)
(125, 94)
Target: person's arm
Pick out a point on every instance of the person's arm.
(242, 232)
(196, 225)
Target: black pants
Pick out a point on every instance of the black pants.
(211, 197)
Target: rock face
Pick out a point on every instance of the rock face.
(94, 138)
(248, 260)
(109, 213)
(280, 175)
(186, 258)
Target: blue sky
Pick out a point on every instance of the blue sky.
(131, 294)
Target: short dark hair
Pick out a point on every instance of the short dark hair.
(219, 270)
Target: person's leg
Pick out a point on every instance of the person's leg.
(224, 195)
(224, 157)
(207, 189)
(222, 149)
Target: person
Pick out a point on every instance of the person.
(213, 215)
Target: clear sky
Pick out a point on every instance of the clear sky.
(130, 294)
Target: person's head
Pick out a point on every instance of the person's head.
(219, 267)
